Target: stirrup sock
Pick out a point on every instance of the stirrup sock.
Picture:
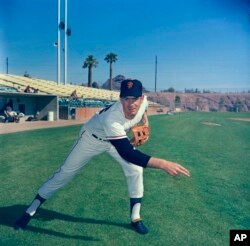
(135, 206)
(37, 202)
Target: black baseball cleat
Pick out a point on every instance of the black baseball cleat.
(139, 227)
(22, 222)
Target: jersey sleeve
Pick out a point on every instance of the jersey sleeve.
(129, 153)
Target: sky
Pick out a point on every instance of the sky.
(202, 44)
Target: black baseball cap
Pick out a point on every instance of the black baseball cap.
(131, 87)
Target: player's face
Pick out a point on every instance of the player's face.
(131, 106)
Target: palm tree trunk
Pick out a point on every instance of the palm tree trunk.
(110, 76)
(90, 77)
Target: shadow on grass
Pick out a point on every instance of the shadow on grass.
(9, 214)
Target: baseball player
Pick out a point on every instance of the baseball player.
(107, 132)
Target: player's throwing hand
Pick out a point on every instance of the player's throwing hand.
(169, 167)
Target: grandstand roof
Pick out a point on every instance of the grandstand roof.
(51, 87)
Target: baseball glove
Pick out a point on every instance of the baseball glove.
(140, 135)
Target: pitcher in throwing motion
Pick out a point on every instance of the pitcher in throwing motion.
(107, 132)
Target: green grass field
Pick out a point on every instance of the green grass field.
(93, 209)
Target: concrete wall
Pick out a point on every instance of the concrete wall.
(70, 113)
(47, 104)
(85, 113)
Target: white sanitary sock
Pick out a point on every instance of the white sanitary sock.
(135, 215)
(33, 207)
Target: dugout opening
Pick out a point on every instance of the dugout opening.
(30, 104)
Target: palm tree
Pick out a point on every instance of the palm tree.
(110, 58)
(89, 63)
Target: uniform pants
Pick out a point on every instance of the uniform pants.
(84, 149)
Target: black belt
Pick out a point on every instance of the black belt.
(104, 140)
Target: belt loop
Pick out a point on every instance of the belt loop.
(100, 139)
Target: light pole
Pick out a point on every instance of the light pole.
(155, 72)
(66, 42)
(62, 25)
(7, 65)
(59, 44)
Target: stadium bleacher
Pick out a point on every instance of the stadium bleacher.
(86, 96)
(60, 90)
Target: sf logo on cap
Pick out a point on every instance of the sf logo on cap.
(129, 84)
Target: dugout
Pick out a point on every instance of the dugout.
(31, 103)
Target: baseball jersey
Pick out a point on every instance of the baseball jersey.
(110, 123)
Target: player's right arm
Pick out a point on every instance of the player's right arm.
(169, 167)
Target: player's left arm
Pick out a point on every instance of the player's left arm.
(129, 153)
(132, 155)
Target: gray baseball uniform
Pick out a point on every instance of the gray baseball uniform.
(94, 138)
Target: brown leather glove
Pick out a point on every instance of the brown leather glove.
(140, 135)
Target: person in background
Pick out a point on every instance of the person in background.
(10, 115)
(28, 89)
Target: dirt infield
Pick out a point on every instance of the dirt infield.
(215, 124)
(241, 119)
(32, 125)
(210, 123)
